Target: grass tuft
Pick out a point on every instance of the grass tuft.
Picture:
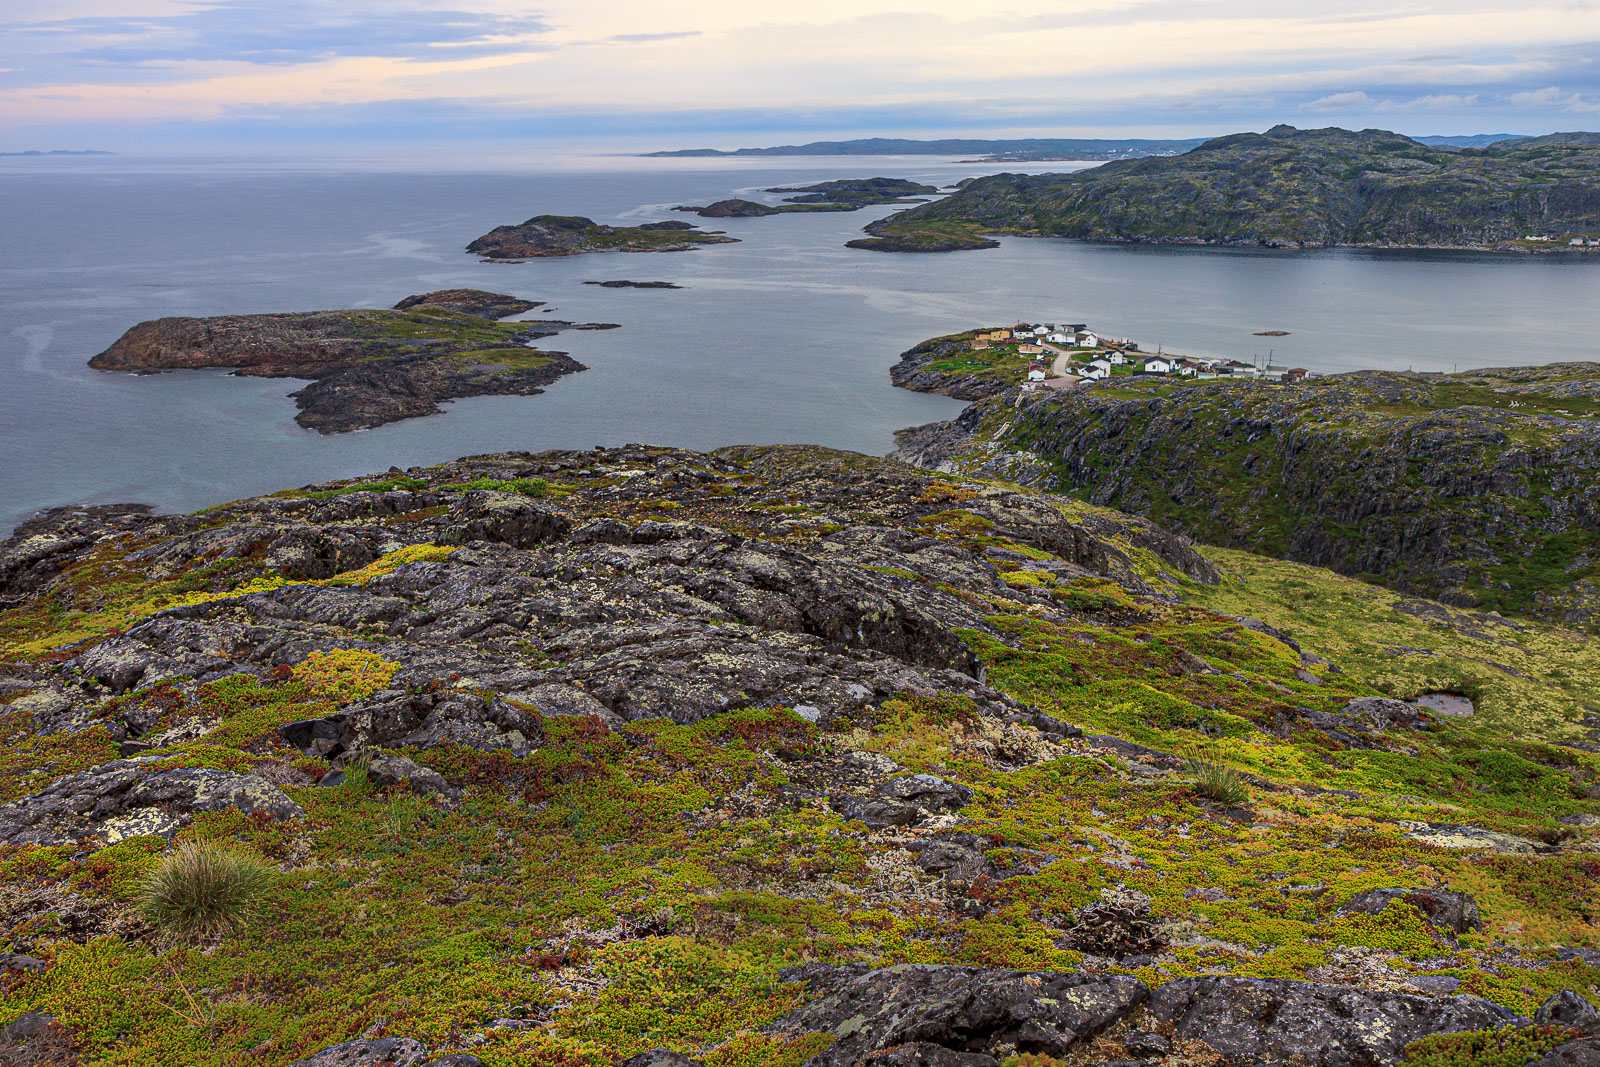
(202, 891)
(1222, 784)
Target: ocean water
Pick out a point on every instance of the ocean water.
(787, 336)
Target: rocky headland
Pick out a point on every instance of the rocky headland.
(778, 756)
(570, 235)
(368, 366)
(1287, 188)
(1479, 488)
(624, 284)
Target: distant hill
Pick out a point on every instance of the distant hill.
(1018, 150)
(1553, 138)
(1467, 140)
(1286, 187)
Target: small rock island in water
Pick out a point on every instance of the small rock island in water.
(369, 366)
(848, 194)
(573, 235)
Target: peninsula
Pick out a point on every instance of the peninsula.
(570, 235)
(1287, 188)
(1476, 488)
(368, 367)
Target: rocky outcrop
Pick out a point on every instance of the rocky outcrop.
(369, 367)
(129, 797)
(850, 194)
(985, 1014)
(569, 235)
(1257, 1021)
(1455, 913)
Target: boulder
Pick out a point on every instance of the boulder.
(926, 792)
(126, 798)
(507, 518)
(1570, 1009)
(1382, 713)
(1585, 1052)
(381, 1052)
(661, 1057)
(399, 771)
(1456, 913)
(957, 1010)
(14, 961)
(1272, 1021)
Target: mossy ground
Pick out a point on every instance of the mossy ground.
(618, 890)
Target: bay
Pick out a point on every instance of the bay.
(785, 337)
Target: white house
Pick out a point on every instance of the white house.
(1057, 338)
(1036, 373)
(1101, 363)
(1094, 372)
(1576, 242)
(1088, 340)
(1158, 365)
(1117, 358)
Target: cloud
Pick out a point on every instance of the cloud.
(640, 38)
(271, 32)
(1553, 97)
(1340, 102)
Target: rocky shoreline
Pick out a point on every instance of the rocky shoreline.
(368, 367)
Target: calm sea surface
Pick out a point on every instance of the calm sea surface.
(785, 337)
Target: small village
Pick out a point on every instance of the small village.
(1065, 355)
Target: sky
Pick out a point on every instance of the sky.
(186, 75)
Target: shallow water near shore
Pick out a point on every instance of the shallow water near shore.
(787, 336)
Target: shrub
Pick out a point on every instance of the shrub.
(1506, 1047)
(1222, 784)
(203, 891)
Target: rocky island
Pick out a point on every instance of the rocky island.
(368, 366)
(776, 756)
(570, 235)
(1287, 188)
(849, 194)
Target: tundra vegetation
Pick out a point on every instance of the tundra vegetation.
(562, 758)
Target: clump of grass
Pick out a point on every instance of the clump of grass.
(1222, 784)
(202, 891)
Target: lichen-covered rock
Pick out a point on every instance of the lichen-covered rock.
(130, 797)
(1585, 1052)
(1260, 1021)
(407, 774)
(958, 1009)
(1456, 913)
(379, 1052)
(1571, 1009)
(505, 518)
(661, 1057)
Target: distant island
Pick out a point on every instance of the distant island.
(1288, 188)
(999, 150)
(570, 235)
(60, 152)
(1019, 150)
(368, 366)
(847, 194)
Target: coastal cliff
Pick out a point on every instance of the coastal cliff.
(777, 756)
(369, 367)
(1481, 489)
(1285, 188)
